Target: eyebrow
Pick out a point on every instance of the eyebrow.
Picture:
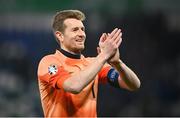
(79, 27)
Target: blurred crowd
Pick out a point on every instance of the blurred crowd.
(149, 47)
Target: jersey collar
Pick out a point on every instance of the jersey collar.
(67, 54)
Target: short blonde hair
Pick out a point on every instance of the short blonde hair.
(60, 17)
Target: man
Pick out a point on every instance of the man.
(68, 82)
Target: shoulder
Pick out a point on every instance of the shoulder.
(46, 62)
(48, 59)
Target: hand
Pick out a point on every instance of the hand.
(115, 37)
(115, 58)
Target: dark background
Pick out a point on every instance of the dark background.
(151, 32)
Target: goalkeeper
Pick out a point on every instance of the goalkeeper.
(68, 81)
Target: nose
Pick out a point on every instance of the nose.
(82, 33)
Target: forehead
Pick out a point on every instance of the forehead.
(71, 22)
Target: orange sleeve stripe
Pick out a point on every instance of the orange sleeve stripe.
(103, 75)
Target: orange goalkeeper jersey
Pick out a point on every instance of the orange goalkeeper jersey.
(55, 101)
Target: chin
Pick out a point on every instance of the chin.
(81, 49)
(78, 49)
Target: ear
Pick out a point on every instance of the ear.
(59, 36)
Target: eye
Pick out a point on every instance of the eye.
(75, 29)
(83, 28)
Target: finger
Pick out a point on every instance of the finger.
(119, 42)
(113, 32)
(117, 34)
(98, 50)
(121, 34)
(118, 38)
(103, 37)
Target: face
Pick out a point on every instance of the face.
(73, 38)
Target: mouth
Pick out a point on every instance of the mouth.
(79, 40)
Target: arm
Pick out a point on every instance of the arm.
(128, 79)
(80, 80)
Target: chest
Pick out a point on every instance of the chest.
(73, 67)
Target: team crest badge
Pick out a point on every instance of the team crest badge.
(52, 69)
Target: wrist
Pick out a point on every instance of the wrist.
(114, 63)
(102, 58)
(118, 65)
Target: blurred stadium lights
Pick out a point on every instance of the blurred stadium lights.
(37, 14)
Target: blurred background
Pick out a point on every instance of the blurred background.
(151, 32)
